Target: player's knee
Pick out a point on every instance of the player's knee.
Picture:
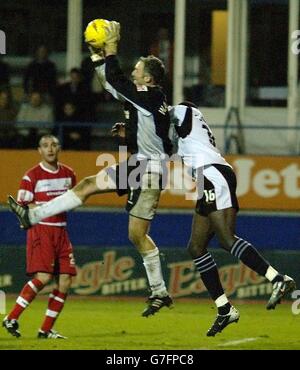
(136, 237)
(84, 187)
(195, 249)
(64, 283)
(226, 242)
(44, 278)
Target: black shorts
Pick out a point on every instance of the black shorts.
(219, 190)
(120, 173)
(142, 195)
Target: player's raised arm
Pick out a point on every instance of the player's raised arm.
(113, 78)
(98, 59)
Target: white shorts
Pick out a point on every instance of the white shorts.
(219, 190)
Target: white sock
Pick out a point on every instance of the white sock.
(221, 301)
(58, 205)
(271, 273)
(154, 273)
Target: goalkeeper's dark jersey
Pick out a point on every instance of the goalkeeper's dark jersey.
(146, 112)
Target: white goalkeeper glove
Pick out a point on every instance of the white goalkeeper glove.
(112, 38)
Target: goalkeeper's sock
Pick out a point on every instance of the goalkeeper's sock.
(58, 205)
(55, 305)
(154, 273)
(26, 296)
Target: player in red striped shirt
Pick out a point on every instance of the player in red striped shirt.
(49, 250)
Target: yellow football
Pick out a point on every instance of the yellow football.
(95, 34)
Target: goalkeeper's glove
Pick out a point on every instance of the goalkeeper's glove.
(112, 38)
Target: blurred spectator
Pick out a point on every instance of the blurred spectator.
(36, 110)
(75, 103)
(70, 113)
(7, 121)
(73, 137)
(4, 75)
(78, 93)
(40, 74)
(7, 111)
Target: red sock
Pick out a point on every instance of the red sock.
(55, 306)
(26, 296)
(52, 295)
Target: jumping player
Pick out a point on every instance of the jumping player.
(216, 213)
(147, 127)
(49, 251)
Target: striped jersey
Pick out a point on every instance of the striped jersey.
(195, 140)
(146, 113)
(40, 185)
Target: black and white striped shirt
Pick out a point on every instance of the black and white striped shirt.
(146, 111)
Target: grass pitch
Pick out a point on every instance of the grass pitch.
(112, 324)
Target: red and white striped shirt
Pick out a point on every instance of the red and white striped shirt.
(39, 185)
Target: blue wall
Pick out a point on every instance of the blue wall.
(168, 230)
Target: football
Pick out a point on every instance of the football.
(95, 33)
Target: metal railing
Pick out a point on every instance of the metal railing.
(245, 137)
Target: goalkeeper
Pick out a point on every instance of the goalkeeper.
(146, 135)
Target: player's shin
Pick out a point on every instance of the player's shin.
(55, 306)
(26, 296)
(245, 252)
(210, 277)
(63, 203)
(154, 272)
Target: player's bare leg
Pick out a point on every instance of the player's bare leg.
(27, 295)
(138, 234)
(55, 305)
(92, 185)
(99, 184)
(202, 233)
(223, 223)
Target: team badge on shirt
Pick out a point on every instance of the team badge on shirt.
(142, 88)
